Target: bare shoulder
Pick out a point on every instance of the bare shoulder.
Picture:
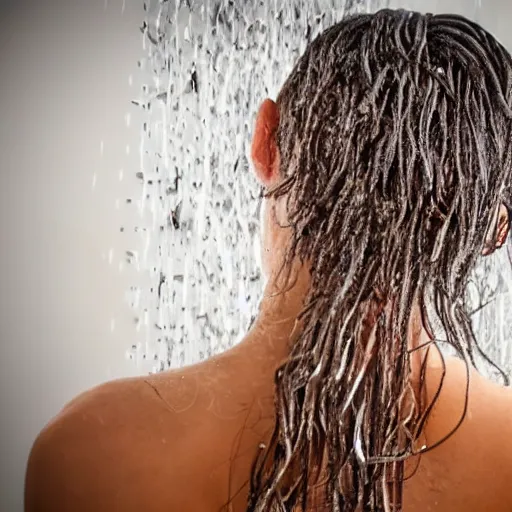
(472, 469)
(111, 448)
(489, 405)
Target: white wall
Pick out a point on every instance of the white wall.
(64, 68)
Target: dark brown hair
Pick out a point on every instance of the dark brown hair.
(395, 144)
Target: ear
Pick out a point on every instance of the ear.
(503, 226)
(501, 231)
(264, 152)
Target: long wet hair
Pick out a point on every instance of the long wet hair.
(395, 140)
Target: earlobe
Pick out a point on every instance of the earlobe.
(264, 151)
(503, 226)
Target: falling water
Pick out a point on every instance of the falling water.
(209, 65)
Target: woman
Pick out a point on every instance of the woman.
(387, 166)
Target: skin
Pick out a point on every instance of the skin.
(185, 439)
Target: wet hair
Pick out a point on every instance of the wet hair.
(395, 144)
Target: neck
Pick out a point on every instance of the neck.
(272, 333)
(268, 343)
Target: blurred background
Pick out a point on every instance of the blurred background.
(128, 213)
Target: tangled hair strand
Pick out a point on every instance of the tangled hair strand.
(395, 145)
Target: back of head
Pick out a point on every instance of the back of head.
(395, 147)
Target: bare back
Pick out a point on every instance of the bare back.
(185, 440)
